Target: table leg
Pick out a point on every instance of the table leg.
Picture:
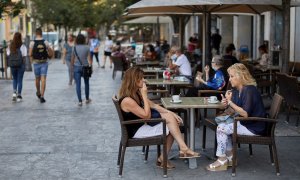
(192, 161)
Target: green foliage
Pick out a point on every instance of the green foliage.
(80, 13)
(7, 7)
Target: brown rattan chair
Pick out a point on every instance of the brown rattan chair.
(126, 141)
(267, 139)
(289, 89)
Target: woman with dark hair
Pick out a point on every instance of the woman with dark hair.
(264, 59)
(16, 47)
(135, 104)
(150, 53)
(81, 57)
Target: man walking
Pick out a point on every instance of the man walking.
(39, 52)
(216, 39)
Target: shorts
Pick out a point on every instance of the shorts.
(107, 53)
(150, 131)
(40, 69)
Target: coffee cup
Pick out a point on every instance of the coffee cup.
(213, 98)
(175, 98)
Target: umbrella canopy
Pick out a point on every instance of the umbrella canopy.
(199, 6)
(149, 20)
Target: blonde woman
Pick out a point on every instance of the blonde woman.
(136, 105)
(246, 101)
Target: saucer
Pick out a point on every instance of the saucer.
(213, 102)
(176, 102)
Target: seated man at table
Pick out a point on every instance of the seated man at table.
(217, 82)
(150, 54)
(179, 63)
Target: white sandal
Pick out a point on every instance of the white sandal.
(222, 167)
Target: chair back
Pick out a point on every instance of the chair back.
(273, 113)
(120, 115)
(288, 88)
(275, 106)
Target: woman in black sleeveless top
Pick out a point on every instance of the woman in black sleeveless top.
(135, 104)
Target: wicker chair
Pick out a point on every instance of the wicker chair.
(126, 141)
(267, 139)
(289, 89)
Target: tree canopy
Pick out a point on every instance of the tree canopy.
(80, 13)
(7, 7)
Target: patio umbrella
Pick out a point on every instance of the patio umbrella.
(207, 7)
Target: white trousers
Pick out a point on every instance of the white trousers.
(224, 137)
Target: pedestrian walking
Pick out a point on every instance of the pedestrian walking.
(66, 56)
(94, 48)
(17, 53)
(107, 51)
(81, 58)
(40, 52)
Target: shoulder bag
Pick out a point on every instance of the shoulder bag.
(86, 70)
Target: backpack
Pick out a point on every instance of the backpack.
(39, 51)
(15, 59)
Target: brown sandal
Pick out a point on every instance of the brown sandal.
(188, 153)
(160, 164)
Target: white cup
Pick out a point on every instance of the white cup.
(213, 98)
(175, 98)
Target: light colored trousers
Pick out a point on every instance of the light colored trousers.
(224, 137)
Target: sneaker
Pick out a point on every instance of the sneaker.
(80, 103)
(110, 67)
(98, 65)
(14, 97)
(102, 67)
(38, 95)
(42, 100)
(19, 98)
(88, 101)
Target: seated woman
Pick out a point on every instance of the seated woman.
(217, 82)
(150, 54)
(244, 100)
(264, 59)
(135, 104)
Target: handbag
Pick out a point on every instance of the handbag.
(87, 71)
(227, 116)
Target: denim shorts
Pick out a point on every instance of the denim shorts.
(40, 69)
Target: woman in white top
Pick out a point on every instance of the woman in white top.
(107, 51)
(264, 59)
(16, 47)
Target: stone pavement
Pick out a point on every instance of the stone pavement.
(59, 140)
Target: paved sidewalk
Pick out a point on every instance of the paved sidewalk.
(59, 140)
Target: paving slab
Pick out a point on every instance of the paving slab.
(59, 140)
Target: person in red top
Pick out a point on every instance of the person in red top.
(150, 53)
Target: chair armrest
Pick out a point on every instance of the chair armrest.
(255, 119)
(143, 121)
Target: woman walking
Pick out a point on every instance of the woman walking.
(81, 58)
(67, 54)
(17, 47)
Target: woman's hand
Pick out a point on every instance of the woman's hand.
(228, 95)
(144, 90)
(224, 100)
(178, 118)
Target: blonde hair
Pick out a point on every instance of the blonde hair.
(243, 73)
(129, 86)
